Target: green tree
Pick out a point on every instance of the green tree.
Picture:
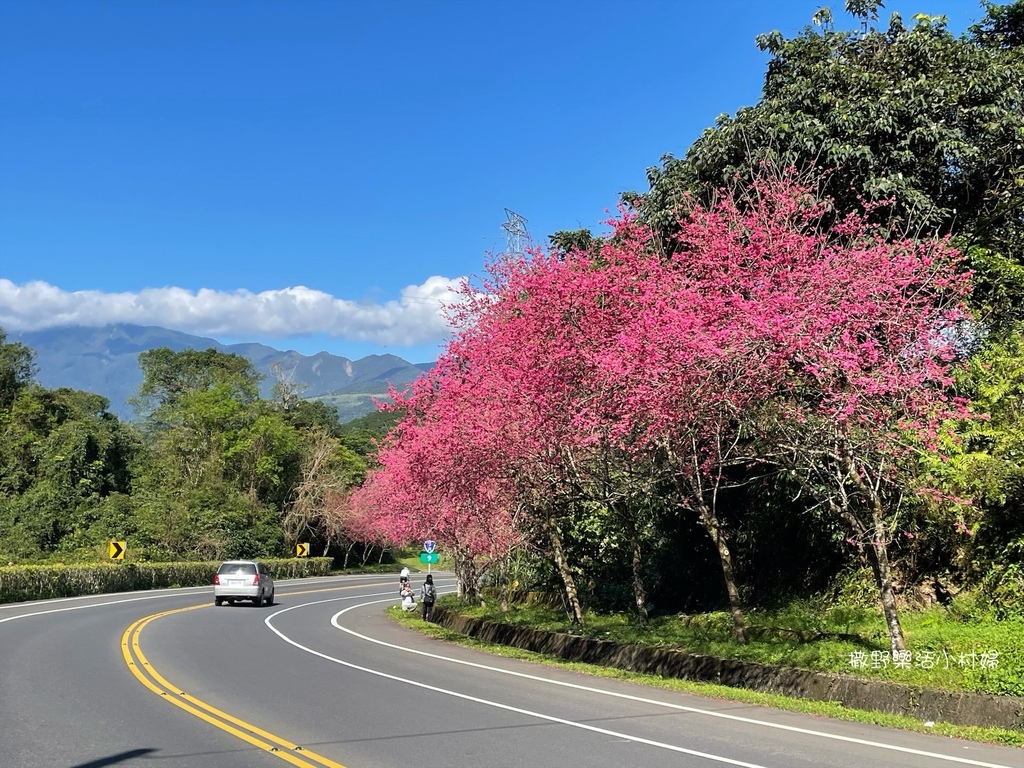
(915, 116)
(222, 461)
(168, 376)
(15, 369)
(363, 434)
(62, 457)
(231, 474)
(981, 470)
(313, 414)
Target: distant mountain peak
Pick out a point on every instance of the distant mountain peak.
(105, 361)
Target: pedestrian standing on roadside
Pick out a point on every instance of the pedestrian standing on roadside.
(428, 594)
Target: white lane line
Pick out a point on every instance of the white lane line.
(485, 702)
(668, 705)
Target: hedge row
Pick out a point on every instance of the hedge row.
(39, 582)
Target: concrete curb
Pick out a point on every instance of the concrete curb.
(975, 709)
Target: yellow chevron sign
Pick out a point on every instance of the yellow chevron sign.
(302, 550)
(116, 550)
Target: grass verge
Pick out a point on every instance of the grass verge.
(776, 701)
(951, 649)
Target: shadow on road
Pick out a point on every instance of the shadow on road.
(120, 757)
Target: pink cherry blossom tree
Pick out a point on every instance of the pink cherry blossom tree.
(438, 479)
(764, 341)
(538, 328)
(836, 348)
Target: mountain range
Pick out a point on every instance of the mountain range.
(105, 361)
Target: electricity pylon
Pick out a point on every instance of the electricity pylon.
(518, 236)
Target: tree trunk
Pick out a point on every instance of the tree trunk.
(348, 553)
(711, 524)
(878, 556)
(563, 569)
(466, 577)
(639, 593)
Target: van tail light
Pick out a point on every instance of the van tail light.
(216, 579)
(256, 580)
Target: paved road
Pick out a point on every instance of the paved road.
(323, 678)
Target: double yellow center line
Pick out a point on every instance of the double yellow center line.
(268, 742)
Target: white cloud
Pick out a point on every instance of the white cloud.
(416, 317)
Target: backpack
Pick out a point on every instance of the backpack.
(429, 593)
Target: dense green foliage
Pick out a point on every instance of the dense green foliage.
(985, 465)
(211, 471)
(360, 435)
(926, 126)
(64, 464)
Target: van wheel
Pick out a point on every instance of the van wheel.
(270, 598)
(218, 601)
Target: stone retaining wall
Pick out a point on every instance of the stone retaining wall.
(856, 693)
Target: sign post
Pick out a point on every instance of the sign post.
(428, 555)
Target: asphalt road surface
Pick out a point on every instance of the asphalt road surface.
(323, 678)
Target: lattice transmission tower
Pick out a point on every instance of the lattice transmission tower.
(516, 233)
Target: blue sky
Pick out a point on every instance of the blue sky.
(314, 175)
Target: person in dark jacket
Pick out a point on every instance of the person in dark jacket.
(428, 594)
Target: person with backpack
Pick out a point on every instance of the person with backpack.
(428, 594)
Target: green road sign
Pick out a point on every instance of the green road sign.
(429, 557)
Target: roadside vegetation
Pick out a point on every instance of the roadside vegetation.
(953, 648)
(209, 471)
(41, 582)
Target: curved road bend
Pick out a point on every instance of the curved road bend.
(323, 678)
